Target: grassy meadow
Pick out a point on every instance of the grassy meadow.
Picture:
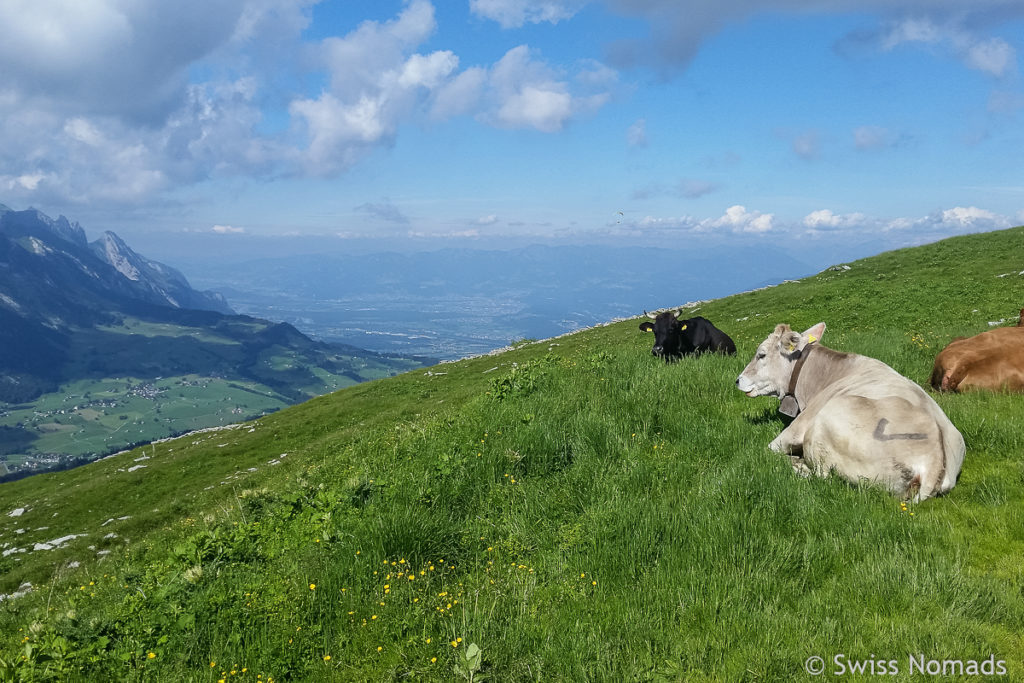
(572, 509)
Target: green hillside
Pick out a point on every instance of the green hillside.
(140, 379)
(572, 509)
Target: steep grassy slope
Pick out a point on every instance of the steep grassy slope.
(574, 509)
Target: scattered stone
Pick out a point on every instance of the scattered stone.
(16, 512)
(23, 589)
(136, 467)
(56, 543)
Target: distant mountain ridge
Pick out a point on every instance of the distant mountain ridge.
(98, 342)
(61, 244)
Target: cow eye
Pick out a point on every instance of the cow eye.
(761, 354)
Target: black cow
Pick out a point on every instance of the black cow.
(674, 338)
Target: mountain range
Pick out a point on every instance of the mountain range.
(76, 315)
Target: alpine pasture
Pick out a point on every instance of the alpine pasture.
(570, 509)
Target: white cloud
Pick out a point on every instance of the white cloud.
(972, 215)
(636, 134)
(807, 145)
(543, 108)
(870, 137)
(899, 231)
(460, 95)
(522, 91)
(824, 219)
(993, 56)
(487, 220)
(227, 230)
(959, 219)
(96, 102)
(385, 211)
(735, 220)
(515, 13)
(528, 93)
(692, 189)
(738, 219)
(378, 82)
(23, 182)
(453, 234)
(678, 29)
(110, 57)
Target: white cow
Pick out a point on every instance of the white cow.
(855, 416)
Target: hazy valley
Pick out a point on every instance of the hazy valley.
(451, 303)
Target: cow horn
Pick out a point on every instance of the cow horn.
(650, 315)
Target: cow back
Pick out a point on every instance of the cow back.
(992, 360)
(702, 336)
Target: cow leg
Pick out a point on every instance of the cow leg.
(800, 466)
(790, 440)
(787, 444)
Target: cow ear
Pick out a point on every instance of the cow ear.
(814, 334)
(646, 327)
(789, 342)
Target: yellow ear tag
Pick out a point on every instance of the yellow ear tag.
(792, 346)
(811, 338)
(683, 327)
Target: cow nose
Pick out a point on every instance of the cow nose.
(657, 350)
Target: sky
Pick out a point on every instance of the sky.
(415, 122)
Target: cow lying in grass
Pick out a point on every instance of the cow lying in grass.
(991, 360)
(675, 338)
(855, 416)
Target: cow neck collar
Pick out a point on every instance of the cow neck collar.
(790, 406)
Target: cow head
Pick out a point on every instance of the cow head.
(667, 333)
(768, 373)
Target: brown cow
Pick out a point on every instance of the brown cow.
(992, 360)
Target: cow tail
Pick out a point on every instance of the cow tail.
(935, 485)
(952, 378)
(947, 379)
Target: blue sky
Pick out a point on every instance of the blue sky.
(632, 121)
